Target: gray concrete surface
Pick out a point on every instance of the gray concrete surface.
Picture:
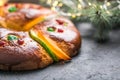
(94, 62)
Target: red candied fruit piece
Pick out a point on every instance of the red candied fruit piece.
(20, 41)
(6, 4)
(17, 5)
(60, 30)
(60, 22)
(2, 43)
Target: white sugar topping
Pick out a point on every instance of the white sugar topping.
(30, 13)
(67, 35)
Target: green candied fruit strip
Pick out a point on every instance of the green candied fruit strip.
(12, 9)
(51, 54)
(50, 29)
(12, 37)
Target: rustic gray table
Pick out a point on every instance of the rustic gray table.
(94, 62)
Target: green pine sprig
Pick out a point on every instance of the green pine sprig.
(100, 17)
(116, 18)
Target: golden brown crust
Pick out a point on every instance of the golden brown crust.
(24, 14)
(30, 64)
(33, 64)
(28, 56)
(69, 47)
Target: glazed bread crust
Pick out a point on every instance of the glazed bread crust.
(31, 55)
(28, 56)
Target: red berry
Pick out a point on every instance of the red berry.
(60, 31)
(2, 43)
(17, 5)
(20, 42)
(6, 4)
(60, 22)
